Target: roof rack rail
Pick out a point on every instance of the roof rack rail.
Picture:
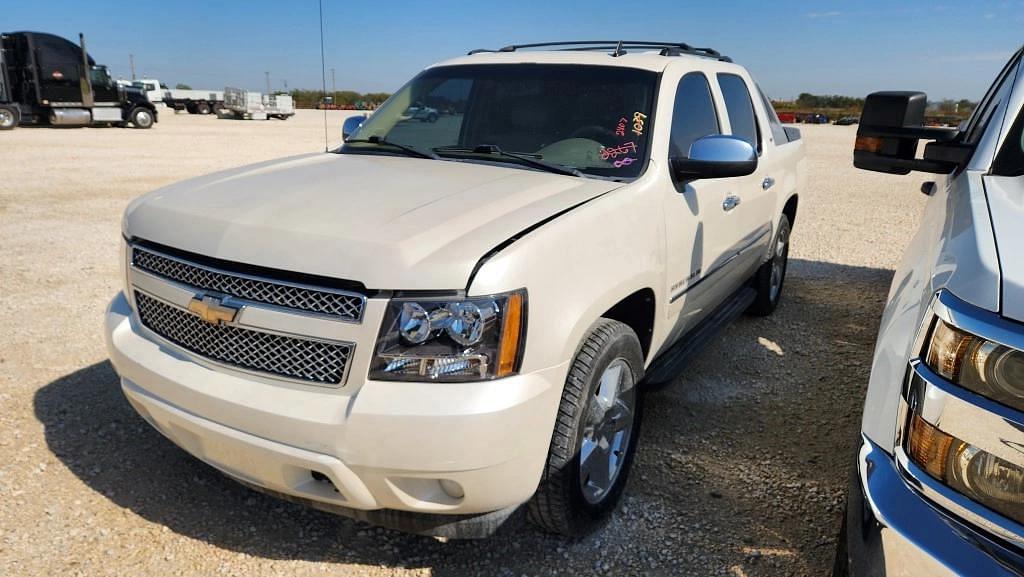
(617, 48)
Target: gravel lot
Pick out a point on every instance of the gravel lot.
(743, 461)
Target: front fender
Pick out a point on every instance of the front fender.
(579, 265)
(953, 249)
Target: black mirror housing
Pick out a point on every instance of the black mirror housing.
(890, 127)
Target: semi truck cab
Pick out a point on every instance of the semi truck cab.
(46, 79)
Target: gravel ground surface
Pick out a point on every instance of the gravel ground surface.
(743, 461)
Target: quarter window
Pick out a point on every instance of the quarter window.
(693, 114)
(740, 108)
(778, 131)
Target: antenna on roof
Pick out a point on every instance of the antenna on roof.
(618, 49)
(323, 74)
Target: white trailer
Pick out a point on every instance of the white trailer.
(194, 101)
(243, 104)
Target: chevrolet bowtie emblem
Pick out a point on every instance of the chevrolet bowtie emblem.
(212, 309)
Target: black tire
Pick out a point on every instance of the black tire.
(432, 118)
(841, 564)
(10, 117)
(142, 118)
(560, 505)
(202, 108)
(769, 290)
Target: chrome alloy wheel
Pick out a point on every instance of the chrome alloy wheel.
(607, 427)
(779, 259)
(6, 118)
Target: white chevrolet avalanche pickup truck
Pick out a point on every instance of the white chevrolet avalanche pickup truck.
(939, 484)
(440, 322)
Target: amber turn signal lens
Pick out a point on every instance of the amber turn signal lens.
(511, 329)
(929, 447)
(947, 350)
(868, 144)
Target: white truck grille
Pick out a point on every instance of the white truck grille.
(301, 359)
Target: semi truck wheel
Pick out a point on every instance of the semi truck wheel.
(142, 118)
(9, 117)
(595, 434)
(202, 108)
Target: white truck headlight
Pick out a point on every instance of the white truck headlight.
(979, 365)
(466, 339)
(982, 476)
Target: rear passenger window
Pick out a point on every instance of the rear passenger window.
(740, 108)
(693, 114)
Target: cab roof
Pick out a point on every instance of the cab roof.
(647, 55)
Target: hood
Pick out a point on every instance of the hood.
(388, 222)
(1006, 207)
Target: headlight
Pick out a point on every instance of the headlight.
(982, 476)
(979, 365)
(467, 339)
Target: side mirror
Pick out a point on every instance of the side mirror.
(890, 127)
(352, 124)
(716, 156)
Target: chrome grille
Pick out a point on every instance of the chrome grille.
(347, 306)
(294, 358)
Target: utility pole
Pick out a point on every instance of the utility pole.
(333, 87)
(267, 74)
(131, 64)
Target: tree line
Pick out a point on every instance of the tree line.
(853, 105)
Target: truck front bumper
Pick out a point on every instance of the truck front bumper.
(891, 530)
(412, 456)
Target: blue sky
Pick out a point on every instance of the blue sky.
(949, 49)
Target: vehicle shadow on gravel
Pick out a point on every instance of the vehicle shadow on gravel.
(741, 469)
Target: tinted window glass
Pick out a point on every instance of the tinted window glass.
(1010, 160)
(693, 115)
(595, 119)
(739, 107)
(778, 131)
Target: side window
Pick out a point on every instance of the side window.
(1010, 159)
(999, 91)
(693, 114)
(740, 108)
(778, 131)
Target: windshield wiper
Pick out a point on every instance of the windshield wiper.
(410, 150)
(521, 157)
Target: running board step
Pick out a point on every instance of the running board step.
(671, 363)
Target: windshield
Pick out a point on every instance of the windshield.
(591, 118)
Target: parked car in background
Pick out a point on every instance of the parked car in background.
(815, 118)
(440, 322)
(939, 483)
(421, 112)
(847, 121)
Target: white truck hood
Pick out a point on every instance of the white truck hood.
(387, 222)
(1006, 206)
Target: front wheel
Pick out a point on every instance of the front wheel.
(142, 118)
(10, 116)
(771, 276)
(595, 434)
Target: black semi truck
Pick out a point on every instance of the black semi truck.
(45, 79)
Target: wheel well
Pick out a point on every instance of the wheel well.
(790, 209)
(637, 312)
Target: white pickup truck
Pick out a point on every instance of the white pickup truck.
(939, 484)
(440, 322)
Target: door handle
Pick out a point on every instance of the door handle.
(767, 183)
(730, 202)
